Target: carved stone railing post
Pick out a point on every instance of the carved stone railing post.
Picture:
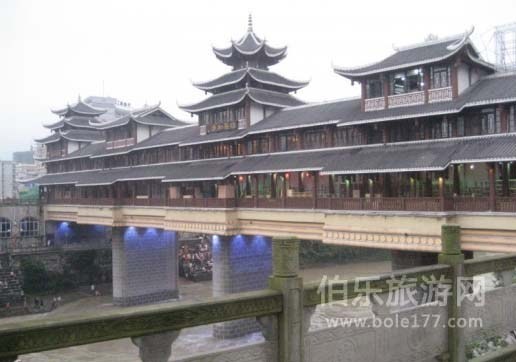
(155, 347)
(452, 255)
(285, 267)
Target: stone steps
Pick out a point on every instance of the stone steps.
(10, 285)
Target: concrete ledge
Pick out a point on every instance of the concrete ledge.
(146, 298)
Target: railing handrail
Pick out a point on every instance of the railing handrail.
(489, 264)
(31, 336)
(421, 203)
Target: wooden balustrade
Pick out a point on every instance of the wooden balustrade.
(299, 203)
(506, 204)
(471, 203)
(430, 204)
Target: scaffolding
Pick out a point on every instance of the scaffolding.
(505, 47)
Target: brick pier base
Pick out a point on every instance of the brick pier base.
(240, 263)
(144, 266)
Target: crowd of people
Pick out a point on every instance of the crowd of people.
(195, 260)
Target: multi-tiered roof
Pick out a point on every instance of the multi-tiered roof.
(250, 78)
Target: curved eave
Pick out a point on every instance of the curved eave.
(48, 140)
(254, 73)
(90, 125)
(198, 107)
(254, 94)
(480, 61)
(295, 85)
(63, 112)
(274, 54)
(54, 126)
(358, 72)
(211, 84)
(79, 139)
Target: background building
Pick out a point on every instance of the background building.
(8, 189)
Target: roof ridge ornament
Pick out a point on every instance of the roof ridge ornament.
(250, 23)
(465, 38)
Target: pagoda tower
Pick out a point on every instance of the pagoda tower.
(249, 92)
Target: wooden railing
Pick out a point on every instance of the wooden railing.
(430, 204)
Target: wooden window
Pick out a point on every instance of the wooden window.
(460, 126)
(440, 76)
(374, 88)
(489, 124)
(314, 139)
(406, 81)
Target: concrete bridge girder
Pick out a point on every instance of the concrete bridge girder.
(416, 231)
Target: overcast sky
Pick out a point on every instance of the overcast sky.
(147, 51)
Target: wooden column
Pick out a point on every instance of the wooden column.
(426, 81)
(364, 95)
(504, 121)
(271, 144)
(273, 185)
(386, 89)
(284, 189)
(441, 192)
(505, 179)
(456, 180)
(492, 185)
(329, 136)
(255, 189)
(314, 190)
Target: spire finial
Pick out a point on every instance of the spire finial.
(250, 23)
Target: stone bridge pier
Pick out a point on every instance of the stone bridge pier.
(145, 268)
(240, 263)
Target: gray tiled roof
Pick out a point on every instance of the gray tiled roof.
(272, 98)
(214, 136)
(392, 157)
(259, 75)
(83, 135)
(250, 45)
(310, 114)
(217, 100)
(54, 137)
(80, 108)
(153, 116)
(261, 96)
(265, 76)
(226, 79)
(54, 125)
(425, 53)
(199, 170)
(408, 156)
(169, 137)
(80, 121)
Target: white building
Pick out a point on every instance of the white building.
(8, 188)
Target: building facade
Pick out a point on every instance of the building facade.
(8, 189)
(433, 130)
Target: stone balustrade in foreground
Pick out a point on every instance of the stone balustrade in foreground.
(285, 309)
